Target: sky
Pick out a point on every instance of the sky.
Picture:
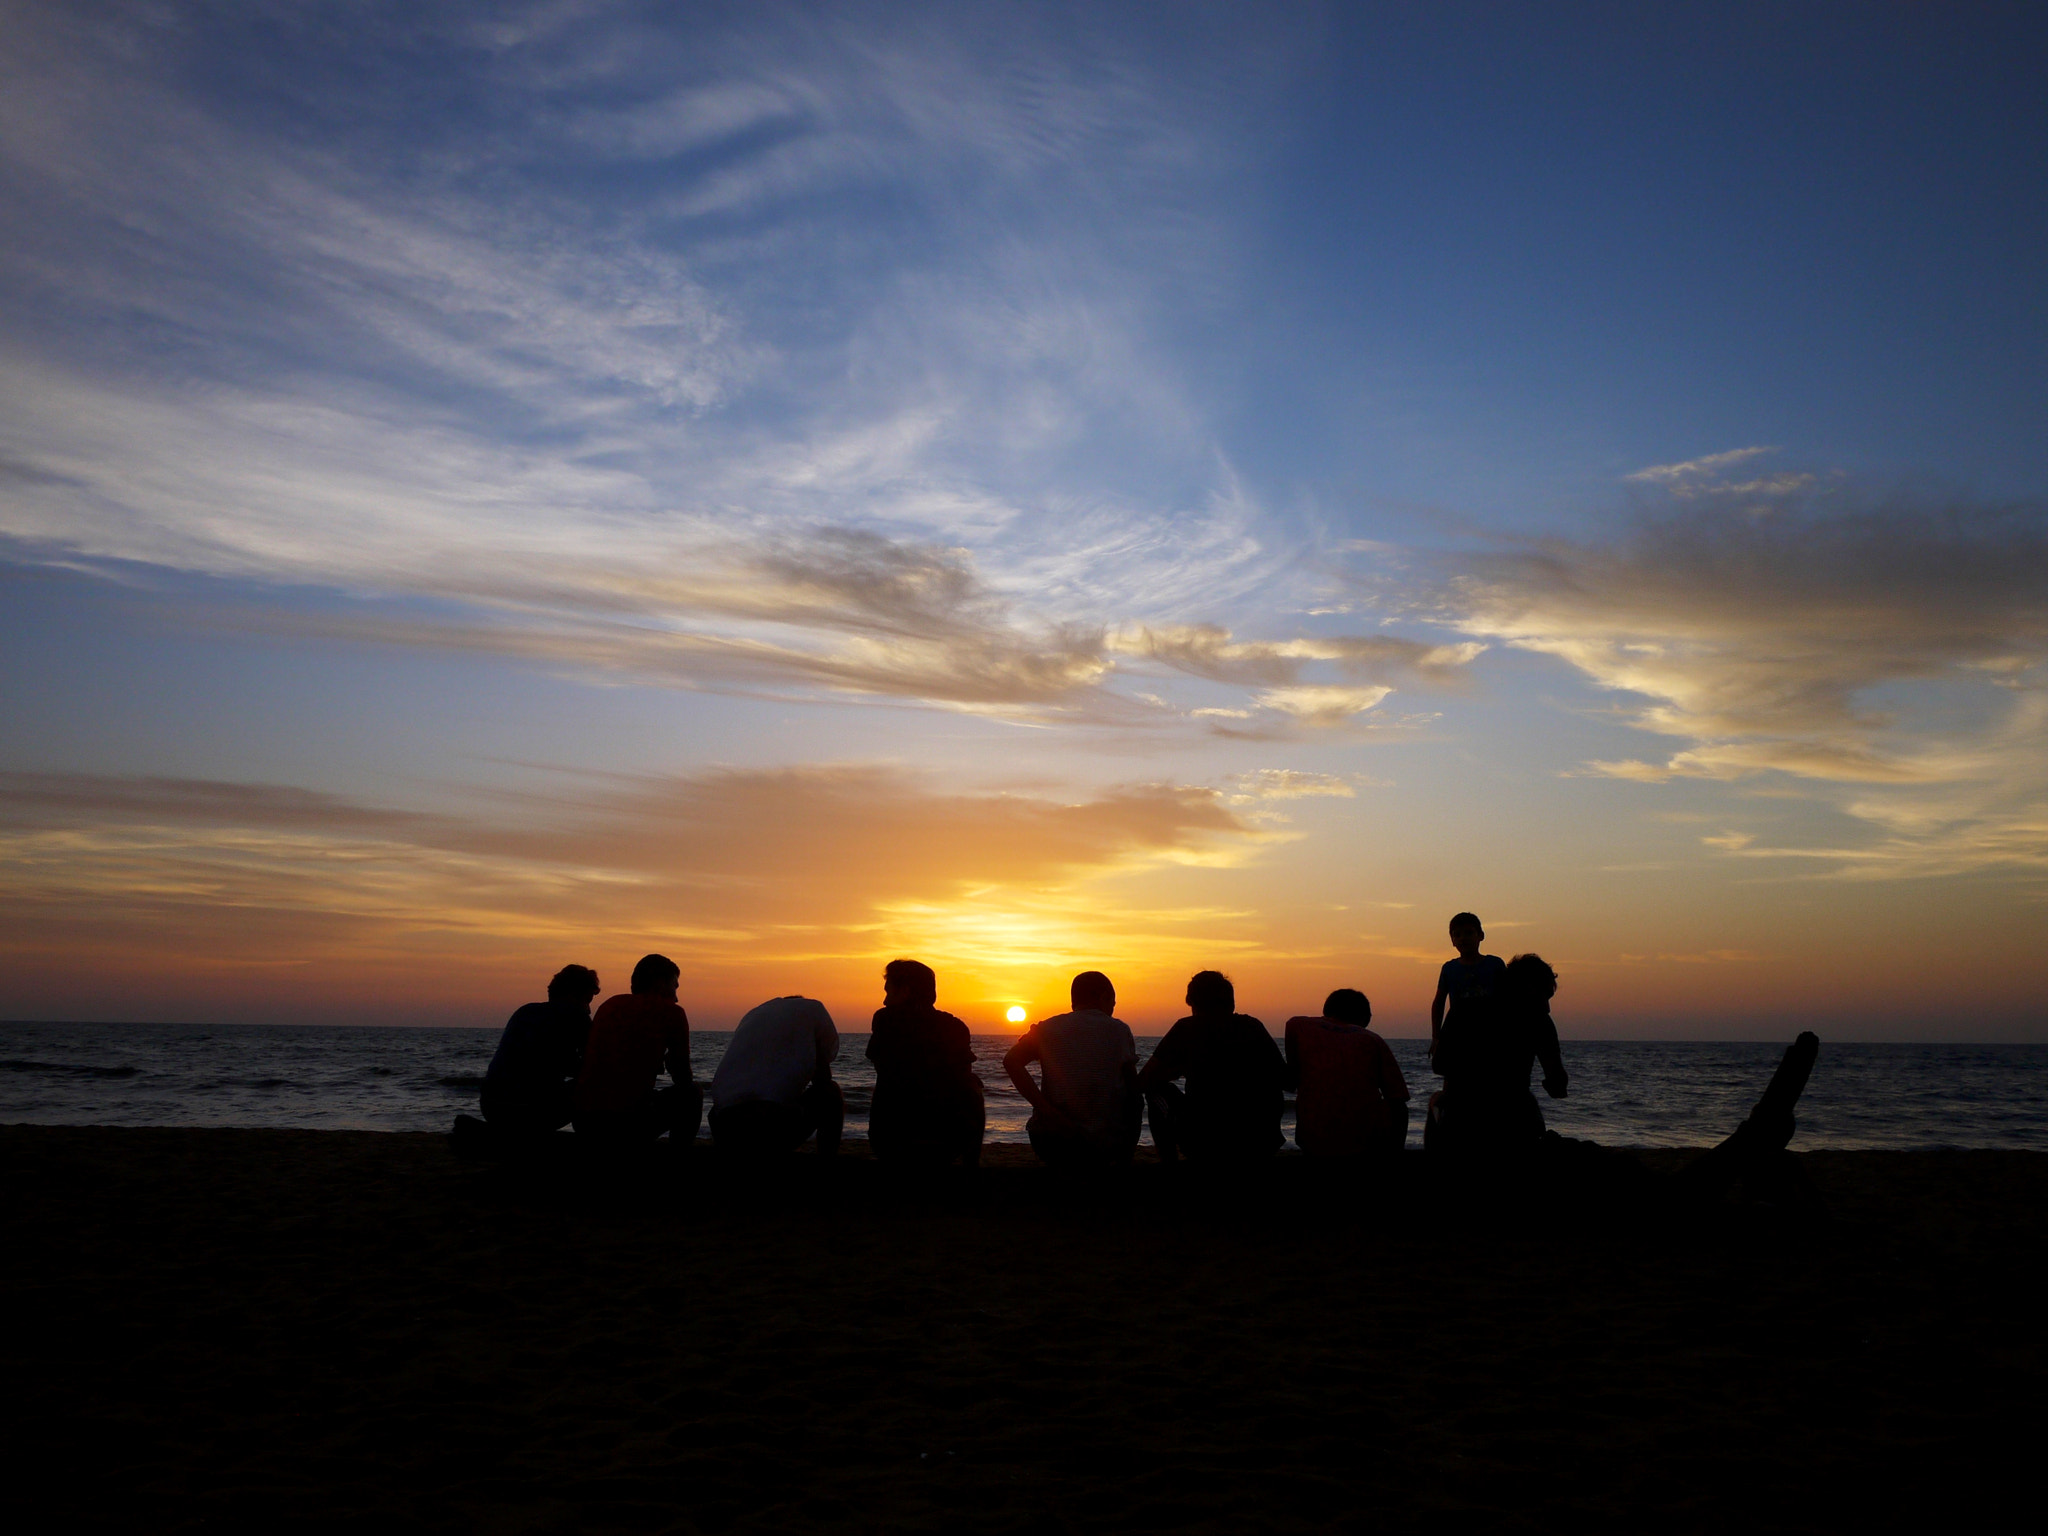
(485, 487)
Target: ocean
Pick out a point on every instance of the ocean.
(1623, 1093)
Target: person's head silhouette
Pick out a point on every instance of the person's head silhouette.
(1466, 934)
(1092, 990)
(1210, 993)
(909, 984)
(1530, 976)
(575, 985)
(656, 976)
(1347, 1005)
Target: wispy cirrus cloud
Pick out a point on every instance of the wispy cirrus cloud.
(1318, 681)
(1708, 477)
(1707, 467)
(1209, 650)
(1261, 784)
(586, 420)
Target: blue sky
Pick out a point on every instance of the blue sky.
(1401, 456)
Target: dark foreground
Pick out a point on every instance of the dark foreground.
(340, 1330)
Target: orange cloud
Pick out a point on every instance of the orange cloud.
(148, 896)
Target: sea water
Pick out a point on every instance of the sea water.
(1623, 1093)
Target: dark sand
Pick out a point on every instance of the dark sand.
(347, 1331)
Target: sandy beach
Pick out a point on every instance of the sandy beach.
(333, 1330)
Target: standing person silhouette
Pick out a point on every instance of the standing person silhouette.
(1471, 983)
(1486, 1056)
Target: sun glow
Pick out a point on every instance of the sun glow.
(1015, 1014)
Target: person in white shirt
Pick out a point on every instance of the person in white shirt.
(773, 1090)
(1086, 1108)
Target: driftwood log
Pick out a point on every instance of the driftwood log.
(1756, 1156)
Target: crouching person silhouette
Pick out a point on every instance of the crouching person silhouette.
(631, 1039)
(928, 1104)
(1350, 1099)
(1230, 1110)
(529, 1088)
(1086, 1111)
(773, 1089)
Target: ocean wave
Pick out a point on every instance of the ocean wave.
(67, 1069)
(461, 1081)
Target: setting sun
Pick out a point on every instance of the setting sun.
(1015, 1014)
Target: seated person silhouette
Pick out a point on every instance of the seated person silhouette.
(631, 1039)
(1485, 1056)
(928, 1104)
(1230, 1109)
(1350, 1099)
(773, 1089)
(529, 1086)
(1467, 981)
(1086, 1111)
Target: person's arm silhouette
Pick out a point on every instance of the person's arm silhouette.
(1014, 1061)
(1555, 1078)
(1436, 1015)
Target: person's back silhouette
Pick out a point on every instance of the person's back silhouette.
(529, 1086)
(773, 1089)
(631, 1039)
(1087, 1112)
(928, 1104)
(1350, 1098)
(1230, 1110)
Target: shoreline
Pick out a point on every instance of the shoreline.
(1413, 1034)
(329, 1328)
(1623, 1095)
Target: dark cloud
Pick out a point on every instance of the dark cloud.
(1891, 648)
(1746, 626)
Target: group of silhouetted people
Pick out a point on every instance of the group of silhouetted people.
(1214, 1090)
(559, 1064)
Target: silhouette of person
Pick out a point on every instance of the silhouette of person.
(529, 1085)
(1486, 1055)
(1468, 982)
(631, 1039)
(773, 1089)
(1350, 1099)
(928, 1104)
(1087, 1110)
(1230, 1109)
